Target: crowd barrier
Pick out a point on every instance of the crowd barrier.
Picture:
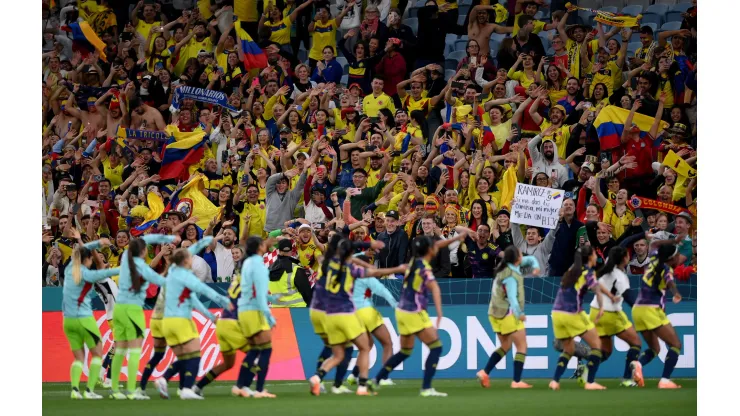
(465, 333)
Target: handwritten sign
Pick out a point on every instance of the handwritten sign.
(536, 205)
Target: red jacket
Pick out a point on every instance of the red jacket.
(393, 70)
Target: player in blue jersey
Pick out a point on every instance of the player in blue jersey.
(128, 314)
(649, 312)
(371, 319)
(341, 323)
(255, 320)
(411, 314)
(159, 343)
(178, 327)
(79, 324)
(569, 320)
(506, 313)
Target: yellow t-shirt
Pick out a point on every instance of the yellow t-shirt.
(423, 104)
(257, 222)
(308, 255)
(280, 31)
(560, 137)
(574, 57)
(204, 6)
(371, 105)
(619, 224)
(324, 34)
(163, 58)
(246, 10)
(501, 133)
(605, 76)
(664, 86)
(523, 79)
(191, 50)
(539, 25)
(143, 28)
(87, 8)
(114, 175)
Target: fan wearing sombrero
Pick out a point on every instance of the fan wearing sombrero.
(676, 138)
(573, 36)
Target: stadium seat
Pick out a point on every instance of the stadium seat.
(673, 16)
(659, 9)
(652, 18)
(682, 7)
(540, 15)
(636, 37)
(652, 26)
(493, 46)
(466, 2)
(498, 36)
(618, 4)
(345, 78)
(302, 55)
(451, 64)
(632, 9)
(449, 73)
(413, 11)
(341, 60)
(550, 52)
(457, 56)
(461, 19)
(671, 26)
(590, 4)
(668, 2)
(463, 37)
(460, 45)
(463, 10)
(632, 47)
(413, 23)
(545, 41)
(610, 9)
(345, 70)
(643, 3)
(451, 38)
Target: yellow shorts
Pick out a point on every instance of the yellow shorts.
(252, 323)
(155, 328)
(178, 331)
(317, 320)
(410, 323)
(611, 323)
(342, 328)
(370, 318)
(568, 325)
(230, 337)
(506, 325)
(648, 317)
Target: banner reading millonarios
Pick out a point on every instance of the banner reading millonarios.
(465, 333)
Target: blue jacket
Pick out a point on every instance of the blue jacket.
(255, 285)
(332, 73)
(362, 295)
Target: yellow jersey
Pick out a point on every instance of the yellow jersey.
(560, 137)
(539, 25)
(191, 51)
(113, 174)
(280, 31)
(246, 10)
(308, 255)
(371, 105)
(324, 34)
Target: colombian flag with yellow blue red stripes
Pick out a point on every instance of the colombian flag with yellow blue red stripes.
(181, 150)
(254, 56)
(610, 124)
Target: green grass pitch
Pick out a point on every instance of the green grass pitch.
(465, 397)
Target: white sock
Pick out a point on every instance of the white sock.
(664, 380)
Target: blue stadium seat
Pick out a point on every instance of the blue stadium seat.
(682, 7)
(449, 46)
(632, 9)
(449, 73)
(652, 18)
(673, 16)
(345, 69)
(460, 45)
(463, 10)
(466, 2)
(610, 9)
(660, 9)
(341, 60)
(463, 37)
(414, 11)
(652, 26)
(457, 56)
(451, 64)
(545, 41)
(668, 2)
(643, 3)
(632, 47)
(493, 46)
(450, 38)
(671, 26)
(498, 36)
(413, 23)
(539, 15)
(614, 3)
(461, 19)
(590, 4)
(635, 37)
(345, 78)
(550, 52)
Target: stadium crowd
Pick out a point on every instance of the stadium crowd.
(380, 119)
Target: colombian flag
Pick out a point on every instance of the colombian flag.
(610, 124)
(191, 201)
(156, 208)
(254, 57)
(85, 39)
(181, 150)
